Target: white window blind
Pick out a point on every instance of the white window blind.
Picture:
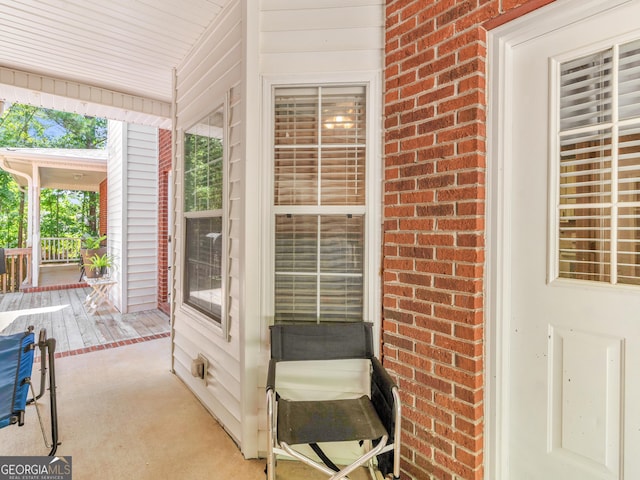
(319, 166)
(599, 166)
(319, 146)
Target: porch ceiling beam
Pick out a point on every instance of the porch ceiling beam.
(20, 86)
(97, 165)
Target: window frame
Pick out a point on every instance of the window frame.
(372, 209)
(555, 135)
(221, 325)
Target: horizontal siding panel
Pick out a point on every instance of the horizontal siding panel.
(316, 16)
(145, 287)
(142, 155)
(138, 136)
(143, 296)
(194, 108)
(321, 62)
(194, 337)
(142, 267)
(312, 41)
(211, 401)
(221, 58)
(143, 278)
(143, 167)
(140, 261)
(142, 211)
(141, 219)
(286, 5)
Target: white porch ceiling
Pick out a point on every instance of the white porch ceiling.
(67, 169)
(106, 58)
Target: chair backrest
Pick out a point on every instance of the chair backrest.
(16, 362)
(321, 341)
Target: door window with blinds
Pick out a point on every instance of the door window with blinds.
(204, 194)
(599, 166)
(319, 203)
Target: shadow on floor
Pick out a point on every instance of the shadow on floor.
(123, 415)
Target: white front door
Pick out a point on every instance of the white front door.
(573, 229)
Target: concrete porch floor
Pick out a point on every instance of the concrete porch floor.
(123, 415)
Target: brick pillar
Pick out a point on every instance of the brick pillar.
(434, 226)
(103, 208)
(164, 167)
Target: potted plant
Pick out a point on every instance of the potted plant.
(98, 265)
(92, 245)
(91, 242)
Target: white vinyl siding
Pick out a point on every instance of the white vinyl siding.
(132, 222)
(599, 166)
(306, 36)
(142, 218)
(210, 74)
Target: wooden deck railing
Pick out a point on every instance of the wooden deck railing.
(18, 265)
(60, 250)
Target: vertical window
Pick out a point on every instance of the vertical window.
(319, 203)
(204, 193)
(599, 166)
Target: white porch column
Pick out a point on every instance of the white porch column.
(30, 213)
(34, 217)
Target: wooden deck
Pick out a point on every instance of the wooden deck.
(62, 313)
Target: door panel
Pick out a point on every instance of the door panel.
(574, 346)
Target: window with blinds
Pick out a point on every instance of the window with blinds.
(319, 203)
(204, 269)
(599, 166)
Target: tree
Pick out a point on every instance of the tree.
(63, 212)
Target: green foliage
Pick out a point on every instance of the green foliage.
(64, 213)
(91, 242)
(9, 210)
(100, 262)
(203, 173)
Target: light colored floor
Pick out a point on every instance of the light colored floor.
(52, 274)
(66, 319)
(123, 415)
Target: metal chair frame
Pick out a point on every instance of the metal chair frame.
(277, 447)
(47, 348)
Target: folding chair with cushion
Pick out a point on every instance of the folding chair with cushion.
(308, 409)
(16, 362)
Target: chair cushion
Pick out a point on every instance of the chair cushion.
(301, 422)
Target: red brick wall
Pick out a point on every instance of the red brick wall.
(102, 227)
(434, 226)
(164, 167)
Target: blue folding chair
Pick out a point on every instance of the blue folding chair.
(16, 363)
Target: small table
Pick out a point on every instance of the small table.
(99, 293)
